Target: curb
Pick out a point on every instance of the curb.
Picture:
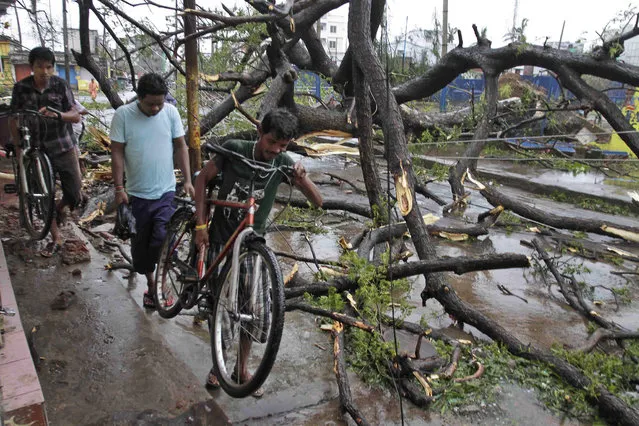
(22, 400)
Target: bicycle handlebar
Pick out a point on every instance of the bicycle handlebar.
(34, 112)
(257, 166)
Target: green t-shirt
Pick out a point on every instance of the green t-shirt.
(234, 187)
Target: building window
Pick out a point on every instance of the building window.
(332, 44)
(323, 26)
(333, 28)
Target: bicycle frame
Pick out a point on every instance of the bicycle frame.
(235, 241)
(23, 151)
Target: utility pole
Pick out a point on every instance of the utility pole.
(445, 29)
(15, 9)
(65, 38)
(192, 101)
(561, 37)
(404, 53)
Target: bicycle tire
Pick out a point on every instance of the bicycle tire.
(265, 328)
(38, 204)
(175, 264)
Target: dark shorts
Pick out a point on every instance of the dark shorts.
(67, 167)
(151, 218)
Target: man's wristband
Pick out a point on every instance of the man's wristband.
(200, 227)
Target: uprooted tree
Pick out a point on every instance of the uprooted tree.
(289, 42)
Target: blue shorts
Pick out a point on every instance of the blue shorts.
(151, 218)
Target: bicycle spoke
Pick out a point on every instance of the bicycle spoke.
(37, 201)
(176, 257)
(246, 331)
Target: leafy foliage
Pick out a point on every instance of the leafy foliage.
(588, 203)
(609, 371)
(368, 353)
(333, 301)
(302, 218)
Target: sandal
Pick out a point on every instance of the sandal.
(147, 301)
(50, 249)
(211, 381)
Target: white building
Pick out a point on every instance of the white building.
(419, 46)
(630, 53)
(333, 32)
(74, 40)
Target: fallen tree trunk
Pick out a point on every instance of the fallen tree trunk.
(337, 316)
(423, 190)
(345, 397)
(603, 334)
(459, 265)
(600, 227)
(417, 121)
(299, 286)
(609, 405)
(382, 234)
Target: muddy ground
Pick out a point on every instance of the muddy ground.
(104, 359)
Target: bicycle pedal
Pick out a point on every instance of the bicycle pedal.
(10, 188)
(203, 307)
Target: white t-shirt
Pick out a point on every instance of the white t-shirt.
(148, 151)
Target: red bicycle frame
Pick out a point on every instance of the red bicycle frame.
(247, 222)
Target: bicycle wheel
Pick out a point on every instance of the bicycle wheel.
(39, 197)
(175, 271)
(251, 332)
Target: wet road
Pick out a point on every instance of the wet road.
(301, 388)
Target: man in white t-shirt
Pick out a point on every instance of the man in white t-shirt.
(145, 136)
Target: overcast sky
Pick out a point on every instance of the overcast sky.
(545, 17)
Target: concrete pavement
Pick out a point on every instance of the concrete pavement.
(99, 360)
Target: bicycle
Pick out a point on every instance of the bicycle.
(34, 177)
(244, 302)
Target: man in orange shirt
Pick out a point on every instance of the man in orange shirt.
(93, 89)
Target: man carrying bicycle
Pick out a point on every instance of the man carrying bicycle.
(275, 132)
(145, 137)
(37, 92)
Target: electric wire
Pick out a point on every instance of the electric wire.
(390, 219)
(583, 160)
(496, 139)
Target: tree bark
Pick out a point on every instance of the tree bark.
(366, 150)
(600, 227)
(345, 397)
(459, 265)
(85, 59)
(469, 157)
